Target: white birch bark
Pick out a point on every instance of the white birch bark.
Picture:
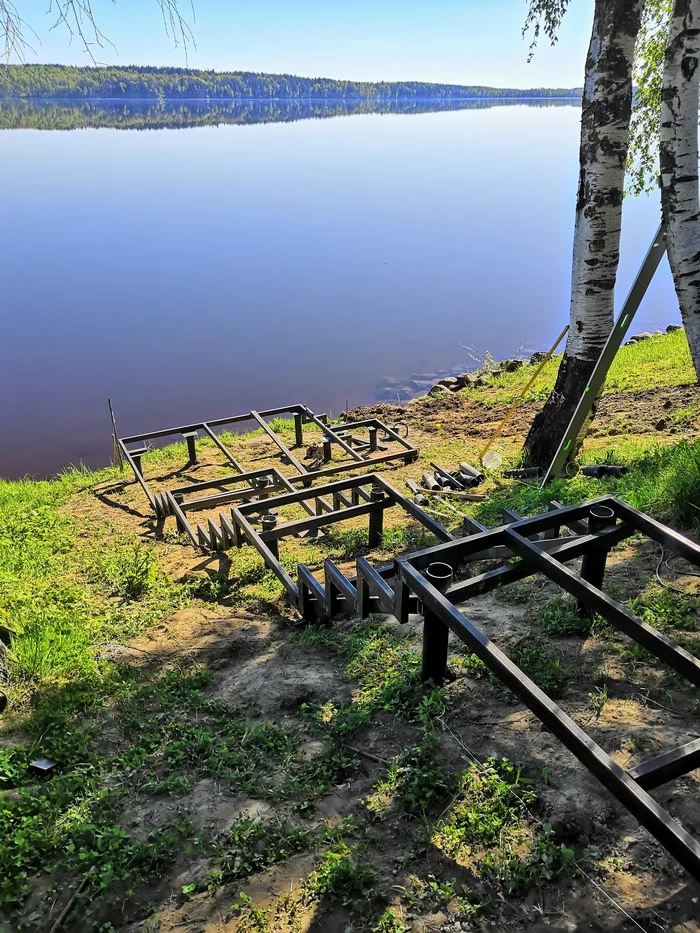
(605, 131)
(605, 134)
(680, 195)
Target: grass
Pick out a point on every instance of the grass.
(488, 829)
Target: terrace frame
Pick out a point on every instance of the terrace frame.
(427, 576)
(360, 454)
(350, 498)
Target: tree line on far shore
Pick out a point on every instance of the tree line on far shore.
(152, 83)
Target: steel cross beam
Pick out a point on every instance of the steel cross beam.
(629, 792)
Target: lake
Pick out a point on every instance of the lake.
(198, 261)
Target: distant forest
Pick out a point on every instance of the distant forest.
(136, 83)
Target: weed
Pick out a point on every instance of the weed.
(597, 700)
(516, 873)
(559, 616)
(534, 660)
(251, 846)
(341, 877)
(129, 570)
(414, 780)
(390, 922)
(667, 610)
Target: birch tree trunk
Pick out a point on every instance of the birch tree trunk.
(678, 151)
(605, 132)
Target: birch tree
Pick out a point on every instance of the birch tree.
(605, 132)
(678, 162)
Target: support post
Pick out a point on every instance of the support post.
(372, 438)
(191, 438)
(269, 521)
(298, 430)
(327, 451)
(137, 463)
(435, 633)
(376, 518)
(600, 518)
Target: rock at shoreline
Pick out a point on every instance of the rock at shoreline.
(438, 390)
(671, 327)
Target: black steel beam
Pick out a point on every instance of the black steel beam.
(317, 521)
(664, 768)
(617, 615)
(672, 540)
(373, 594)
(272, 562)
(279, 442)
(652, 816)
(222, 447)
(275, 502)
(413, 509)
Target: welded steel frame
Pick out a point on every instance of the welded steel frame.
(363, 457)
(352, 497)
(538, 555)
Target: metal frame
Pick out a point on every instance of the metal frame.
(352, 497)
(608, 521)
(362, 454)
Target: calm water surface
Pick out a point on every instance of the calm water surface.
(199, 272)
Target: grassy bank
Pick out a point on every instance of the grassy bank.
(133, 664)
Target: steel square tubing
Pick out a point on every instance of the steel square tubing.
(327, 518)
(296, 480)
(414, 510)
(653, 817)
(311, 493)
(676, 657)
(672, 764)
(310, 416)
(216, 422)
(223, 498)
(142, 482)
(667, 537)
(376, 423)
(280, 443)
(222, 447)
(560, 548)
(455, 551)
(266, 554)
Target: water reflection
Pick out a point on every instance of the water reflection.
(153, 115)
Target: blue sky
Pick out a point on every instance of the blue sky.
(463, 41)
